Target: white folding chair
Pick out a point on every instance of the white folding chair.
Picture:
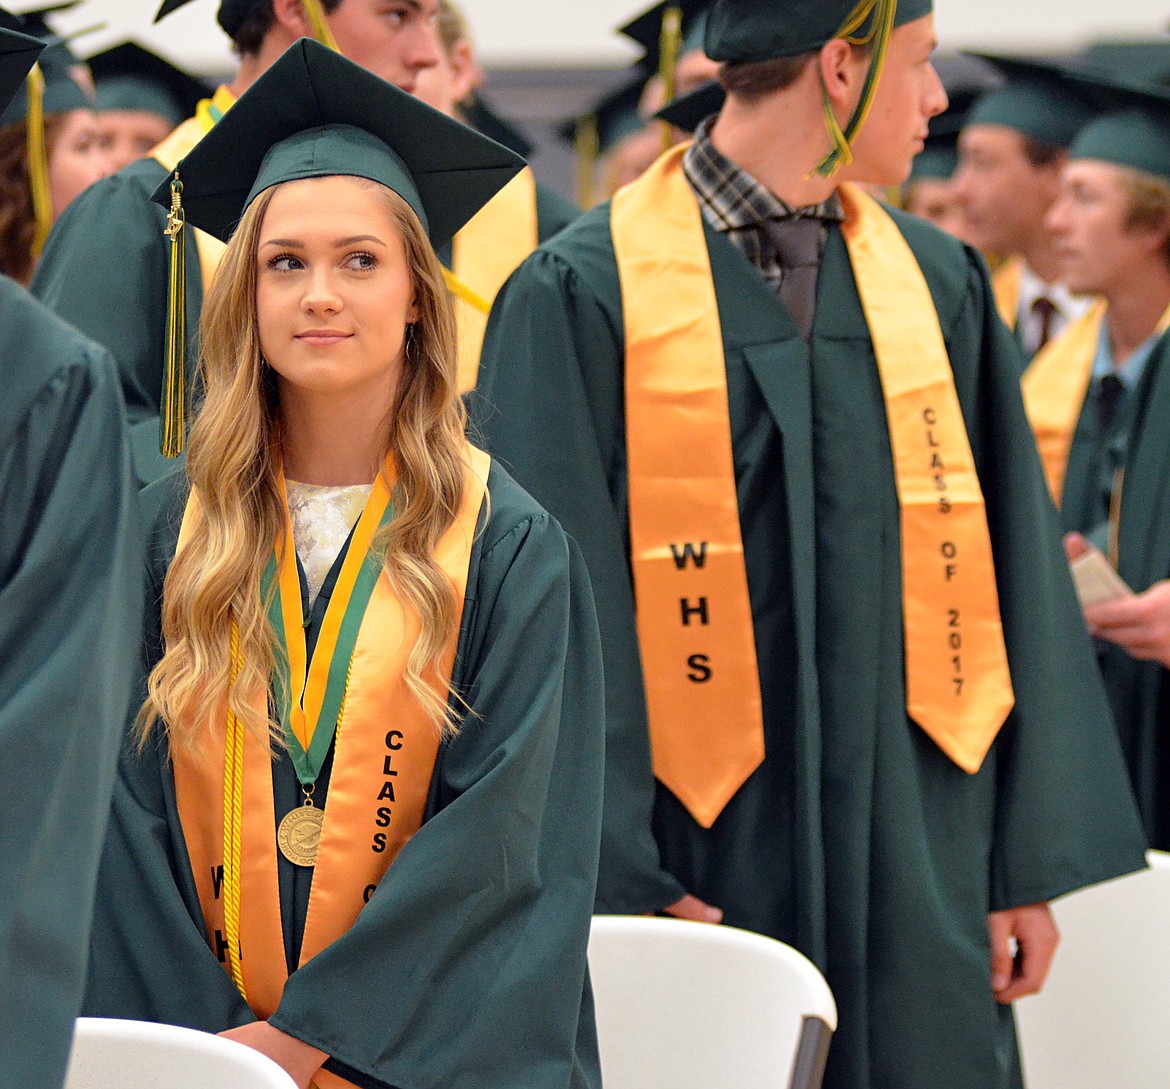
(113, 1054)
(1103, 1018)
(684, 1005)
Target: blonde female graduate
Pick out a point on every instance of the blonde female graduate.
(395, 890)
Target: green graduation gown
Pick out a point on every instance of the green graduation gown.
(856, 839)
(1137, 690)
(467, 966)
(104, 269)
(70, 609)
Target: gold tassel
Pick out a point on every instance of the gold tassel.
(38, 160)
(879, 34)
(319, 25)
(669, 47)
(586, 144)
(172, 417)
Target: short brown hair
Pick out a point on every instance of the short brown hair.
(250, 37)
(1148, 206)
(752, 80)
(451, 25)
(1040, 153)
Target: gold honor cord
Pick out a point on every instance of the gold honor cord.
(958, 684)
(694, 612)
(883, 11)
(38, 160)
(233, 819)
(485, 252)
(1055, 386)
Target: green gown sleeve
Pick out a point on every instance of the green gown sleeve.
(553, 212)
(104, 269)
(70, 609)
(467, 966)
(547, 361)
(1065, 816)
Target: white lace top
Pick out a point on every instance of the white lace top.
(322, 517)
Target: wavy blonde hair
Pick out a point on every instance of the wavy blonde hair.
(214, 583)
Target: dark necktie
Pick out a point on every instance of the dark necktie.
(1109, 391)
(796, 242)
(1045, 309)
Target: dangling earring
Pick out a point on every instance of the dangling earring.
(408, 347)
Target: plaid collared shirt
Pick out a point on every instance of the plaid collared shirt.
(735, 204)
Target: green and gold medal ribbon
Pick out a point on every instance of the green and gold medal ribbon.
(878, 34)
(309, 694)
(38, 160)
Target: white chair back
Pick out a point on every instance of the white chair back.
(686, 1005)
(113, 1054)
(1103, 1018)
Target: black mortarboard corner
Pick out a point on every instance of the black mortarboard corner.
(18, 53)
(315, 114)
(661, 31)
(485, 118)
(130, 77)
(689, 111)
(748, 31)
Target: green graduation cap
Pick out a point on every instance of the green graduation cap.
(130, 77)
(1145, 61)
(60, 92)
(18, 53)
(1133, 128)
(35, 22)
(749, 31)
(315, 114)
(1037, 100)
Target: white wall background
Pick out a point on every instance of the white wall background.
(572, 33)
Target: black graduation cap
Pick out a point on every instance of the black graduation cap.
(483, 117)
(18, 53)
(1038, 99)
(688, 111)
(232, 14)
(612, 118)
(647, 28)
(35, 22)
(61, 91)
(129, 76)
(315, 114)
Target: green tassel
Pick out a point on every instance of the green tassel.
(172, 419)
(879, 33)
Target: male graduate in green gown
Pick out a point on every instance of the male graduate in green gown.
(1099, 401)
(104, 268)
(70, 610)
(908, 752)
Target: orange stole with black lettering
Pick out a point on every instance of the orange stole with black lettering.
(384, 758)
(694, 614)
(1005, 286)
(958, 685)
(485, 252)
